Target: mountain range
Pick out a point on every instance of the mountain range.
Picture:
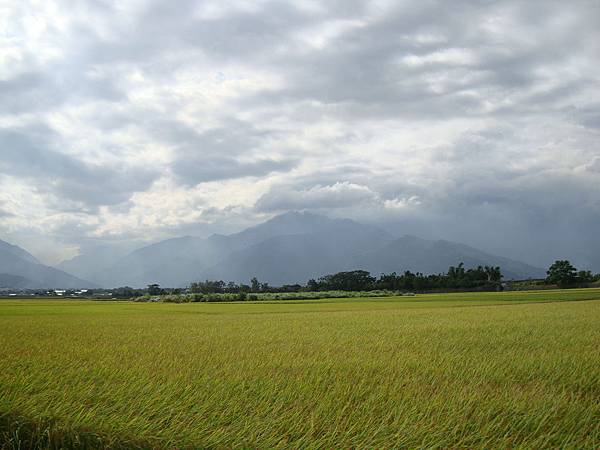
(289, 248)
(21, 270)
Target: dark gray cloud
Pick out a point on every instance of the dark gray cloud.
(318, 197)
(42, 89)
(588, 116)
(29, 154)
(194, 168)
(220, 153)
(416, 62)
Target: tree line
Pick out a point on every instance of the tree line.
(484, 278)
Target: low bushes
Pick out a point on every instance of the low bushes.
(264, 296)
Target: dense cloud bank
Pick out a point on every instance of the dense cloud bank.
(124, 122)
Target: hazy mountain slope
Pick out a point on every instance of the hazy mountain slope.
(294, 247)
(38, 275)
(17, 251)
(421, 255)
(87, 265)
(287, 224)
(179, 261)
(8, 281)
(296, 258)
(170, 263)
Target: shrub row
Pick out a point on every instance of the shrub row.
(264, 296)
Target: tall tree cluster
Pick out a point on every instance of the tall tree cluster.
(563, 274)
(483, 278)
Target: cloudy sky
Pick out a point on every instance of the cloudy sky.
(130, 121)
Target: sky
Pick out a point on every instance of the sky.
(127, 122)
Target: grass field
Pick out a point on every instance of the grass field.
(489, 370)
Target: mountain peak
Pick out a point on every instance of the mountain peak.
(299, 217)
(20, 269)
(292, 222)
(18, 251)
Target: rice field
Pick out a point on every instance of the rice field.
(487, 370)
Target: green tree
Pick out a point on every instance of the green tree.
(493, 273)
(356, 280)
(585, 276)
(561, 273)
(154, 289)
(254, 285)
(312, 285)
